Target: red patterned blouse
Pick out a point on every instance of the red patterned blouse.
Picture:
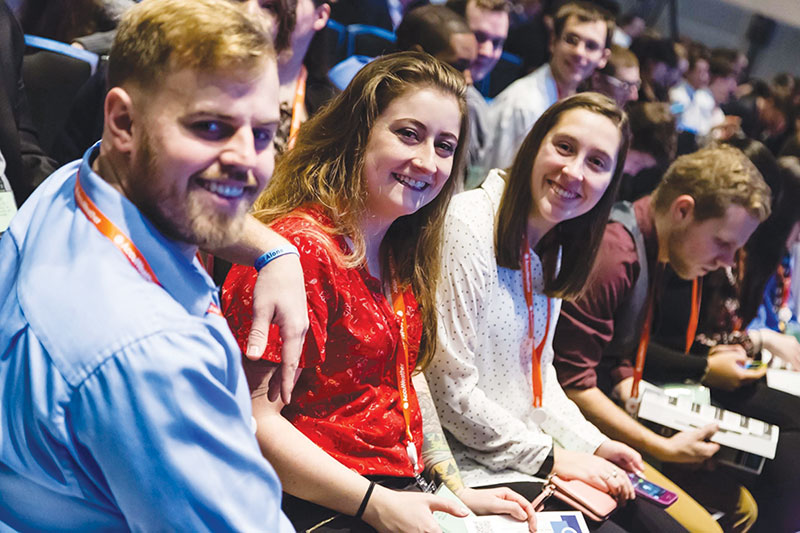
(347, 398)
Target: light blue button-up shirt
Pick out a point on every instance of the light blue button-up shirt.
(123, 404)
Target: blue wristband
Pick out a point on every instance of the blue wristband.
(273, 254)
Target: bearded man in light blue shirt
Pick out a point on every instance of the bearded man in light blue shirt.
(123, 405)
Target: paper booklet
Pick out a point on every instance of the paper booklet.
(784, 380)
(744, 442)
(546, 522)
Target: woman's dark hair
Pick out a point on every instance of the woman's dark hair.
(653, 130)
(767, 246)
(577, 238)
(761, 156)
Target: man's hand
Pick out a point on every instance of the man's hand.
(689, 446)
(500, 500)
(621, 455)
(622, 390)
(391, 511)
(726, 368)
(279, 297)
(783, 346)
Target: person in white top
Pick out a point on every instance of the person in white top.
(579, 45)
(492, 378)
(695, 101)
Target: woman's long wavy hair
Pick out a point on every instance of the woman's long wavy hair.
(578, 238)
(767, 245)
(325, 169)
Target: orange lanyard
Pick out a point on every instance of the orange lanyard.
(644, 340)
(403, 371)
(691, 329)
(120, 240)
(536, 350)
(297, 105)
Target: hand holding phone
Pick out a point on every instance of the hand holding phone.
(651, 491)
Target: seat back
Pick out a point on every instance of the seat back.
(328, 47)
(43, 43)
(53, 73)
(369, 41)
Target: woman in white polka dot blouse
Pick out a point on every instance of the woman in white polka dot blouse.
(495, 389)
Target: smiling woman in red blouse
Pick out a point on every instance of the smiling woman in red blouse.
(362, 196)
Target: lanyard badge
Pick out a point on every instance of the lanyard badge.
(539, 414)
(123, 243)
(297, 105)
(644, 340)
(404, 383)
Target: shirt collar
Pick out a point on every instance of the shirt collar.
(550, 84)
(689, 89)
(395, 12)
(174, 263)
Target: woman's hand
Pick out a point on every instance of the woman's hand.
(390, 511)
(595, 471)
(621, 455)
(783, 346)
(500, 500)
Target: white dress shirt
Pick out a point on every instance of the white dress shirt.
(514, 112)
(700, 111)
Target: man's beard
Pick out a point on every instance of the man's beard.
(679, 265)
(180, 215)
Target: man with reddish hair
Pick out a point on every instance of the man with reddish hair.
(125, 406)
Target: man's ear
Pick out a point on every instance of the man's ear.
(321, 16)
(604, 60)
(119, 114)
(682, 209)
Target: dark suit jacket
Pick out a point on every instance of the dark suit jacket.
(26, 163)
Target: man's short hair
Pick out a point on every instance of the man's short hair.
(628, 17)
(696, 52)
(619, 58)
(720, 66)
(654, 132)
(655, 50)
(716, 177)
(156, 36)
(584, 12)
(460, 6)
(429, 27)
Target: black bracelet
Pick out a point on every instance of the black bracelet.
(364, 502)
